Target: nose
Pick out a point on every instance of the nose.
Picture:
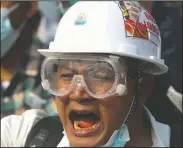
(79, 94)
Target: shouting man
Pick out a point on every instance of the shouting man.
(101, 78)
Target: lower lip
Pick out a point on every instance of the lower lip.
(86, 133)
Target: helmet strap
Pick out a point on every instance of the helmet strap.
(135, 98)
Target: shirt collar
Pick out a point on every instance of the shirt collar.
(160, 133)
(64, 142)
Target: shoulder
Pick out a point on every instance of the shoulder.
(15, 128)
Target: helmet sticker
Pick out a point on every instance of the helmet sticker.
(138, 22)
(81, 19)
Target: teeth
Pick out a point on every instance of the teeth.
(76, 126)
(94, 126)
(76, 123)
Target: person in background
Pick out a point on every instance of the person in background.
(23, 30)
(133, 8)
(131, 12)
(63, 6)
(168, 87)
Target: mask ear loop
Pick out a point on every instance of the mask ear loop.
(135, 98)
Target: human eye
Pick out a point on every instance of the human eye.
(128, 3)
(103, 76)
(100, 76)
(66, 76)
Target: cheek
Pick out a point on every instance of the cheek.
(112, 110)
(113, 113)
(61, 109)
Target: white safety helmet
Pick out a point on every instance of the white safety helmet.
(105, 27)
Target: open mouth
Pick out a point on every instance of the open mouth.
(84, 121)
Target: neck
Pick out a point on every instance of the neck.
(139, 130)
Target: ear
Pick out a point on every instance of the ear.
(146, 88)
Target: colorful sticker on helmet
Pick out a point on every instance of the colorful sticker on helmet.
(81, 19)
(138, 22)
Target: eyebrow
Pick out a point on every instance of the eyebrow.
(71, 69)
(88, 68)
(74, 70)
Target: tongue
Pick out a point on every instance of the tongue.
(85, 123)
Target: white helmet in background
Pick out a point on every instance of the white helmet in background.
(109, 27)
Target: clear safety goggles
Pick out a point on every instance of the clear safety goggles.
(100, 76)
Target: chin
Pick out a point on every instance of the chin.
(86, 142)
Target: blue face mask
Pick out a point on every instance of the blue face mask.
(8, 34)
(119, 138)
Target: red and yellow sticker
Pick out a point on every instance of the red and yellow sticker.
(138, 22)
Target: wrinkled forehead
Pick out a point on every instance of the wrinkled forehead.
(88, 61)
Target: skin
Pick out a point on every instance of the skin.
(112, 109)
(133, 10)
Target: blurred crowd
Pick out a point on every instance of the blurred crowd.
(165, 102)
(28, 26)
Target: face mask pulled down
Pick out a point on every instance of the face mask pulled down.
(119, 138)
